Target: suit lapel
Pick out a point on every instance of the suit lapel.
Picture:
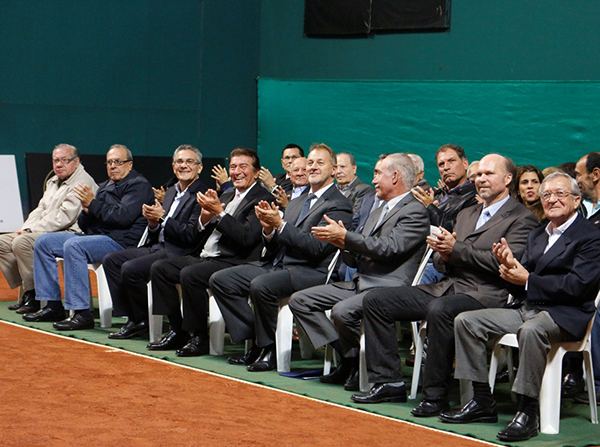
(320, 203)
(372, 221)
(559, 246)
(391, 213)
(500, 215)
(169, 197)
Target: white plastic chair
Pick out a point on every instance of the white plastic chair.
(105, 304)
(418, 339)
(285, 330)
(550, 394)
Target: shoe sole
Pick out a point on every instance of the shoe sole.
(429, 415)
(393, 400)
(484, 419)
(516, 438)
(140, 334)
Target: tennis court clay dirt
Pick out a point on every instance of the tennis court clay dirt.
(58, 391)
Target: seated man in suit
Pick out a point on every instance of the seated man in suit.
(230, 233)
(289, 153)
(300, 186)
(171, 233)
(295, 260)
(111, 220)
(471, 282)
(348, 182)
(386, 253)
(554, 287)
(58, 210)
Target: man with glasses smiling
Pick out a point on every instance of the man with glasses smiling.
(57, 211)
(111, 220)
(170, 233)
(554, 287)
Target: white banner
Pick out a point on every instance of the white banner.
(11, 214)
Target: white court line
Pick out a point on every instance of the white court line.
(167, 362)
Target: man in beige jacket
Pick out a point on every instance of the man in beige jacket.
(58, 210)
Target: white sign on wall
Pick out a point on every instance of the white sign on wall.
(11, 214)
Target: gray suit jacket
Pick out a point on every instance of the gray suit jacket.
(355, 193)
(473, 268)
(388, 254)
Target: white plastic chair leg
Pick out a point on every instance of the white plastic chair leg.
(105, 304)
(363, 376)
(216, 327)
(155, 322)
(283, 337)
(550, 393)
(419, 334)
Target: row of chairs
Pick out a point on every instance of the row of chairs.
(549, 396)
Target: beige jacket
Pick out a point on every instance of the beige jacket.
(59, 209)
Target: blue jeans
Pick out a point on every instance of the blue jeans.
(431, 275)
(77, 251)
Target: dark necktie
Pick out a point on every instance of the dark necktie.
(303, 213)
(306, 207)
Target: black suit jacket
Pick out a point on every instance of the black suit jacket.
(564, 280)
(285, 182)
(307, 256)
(180, 234)
(241, 232)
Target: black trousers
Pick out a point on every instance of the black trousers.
(192, 273)
(383, 307)
(265, 286)
(127, 273)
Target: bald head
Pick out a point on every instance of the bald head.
(495, 174)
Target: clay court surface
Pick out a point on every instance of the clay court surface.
(59, 391)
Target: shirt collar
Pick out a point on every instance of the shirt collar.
(551, 229)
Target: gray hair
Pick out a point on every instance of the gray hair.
(574, 186)
(403, 164)
(73, 149)
(189, 147)
(417, 161)
(122, 146)
(350, 157)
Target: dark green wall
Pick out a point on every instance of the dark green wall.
(501, 40)
(509, 40)
(151, 74)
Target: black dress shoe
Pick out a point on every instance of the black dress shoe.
(471, 412)
(196, 346)
(572, 385)
(353, 382)
(75, 323)
(265, 362)
(171, 340)
(20, 301)
(130, 330)
(428, 408)
(30, 304)
(46, 314)
(521, 428)
(339, 375)
(382, 392)
(247, 359)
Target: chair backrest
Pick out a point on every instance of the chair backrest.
(332, 265)
(424, 260)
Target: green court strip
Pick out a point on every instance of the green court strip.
(575, 429)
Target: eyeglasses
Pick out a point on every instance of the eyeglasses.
(560, 194)
(116, 162)
(189, 162)
(64, 161)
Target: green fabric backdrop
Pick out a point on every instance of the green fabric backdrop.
(539, 122)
